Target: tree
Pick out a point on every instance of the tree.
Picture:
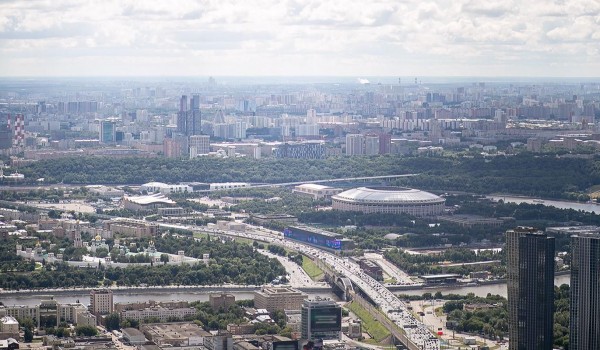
(113, 321)
(164, 258)
(88, 331)
(28, 335)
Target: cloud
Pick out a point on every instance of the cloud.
(299, 37)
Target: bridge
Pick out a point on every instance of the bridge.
(342, 286)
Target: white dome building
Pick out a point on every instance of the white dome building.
(391, 200)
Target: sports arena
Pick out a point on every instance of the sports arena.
(391, 200)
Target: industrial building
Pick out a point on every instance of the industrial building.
(321, 238)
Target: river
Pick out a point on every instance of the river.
(137, 296)
(30, 300)
(479, 290)
(587, 207)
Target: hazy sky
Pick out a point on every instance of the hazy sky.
(300, 37)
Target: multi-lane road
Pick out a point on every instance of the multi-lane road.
(396, 310)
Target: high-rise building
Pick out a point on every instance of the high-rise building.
(307, 130)
(199, 144)
(385, 143)
(355, 144)
(311, 116)
(585, 292)
(101, 302)
(108, 131)
(530, 270)
(240, 130)
(301, 150)
(321, 319)
(182, 114)
(193, 125)
(371, 145)
(172, 148)
(5, 135)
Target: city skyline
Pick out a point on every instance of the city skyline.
(300, 38)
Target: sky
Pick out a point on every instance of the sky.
(531, 38)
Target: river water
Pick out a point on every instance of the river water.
(479, 290)
(84, 298)
(588, 207)
(137, 296)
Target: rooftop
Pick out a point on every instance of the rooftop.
(315, 187)
(388, 194)
(175, 330)
(151, 199)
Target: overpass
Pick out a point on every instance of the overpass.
(343, 179)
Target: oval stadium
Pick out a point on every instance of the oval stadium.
(392, 200)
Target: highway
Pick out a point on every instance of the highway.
(390, 305)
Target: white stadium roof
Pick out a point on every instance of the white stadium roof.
(382, 195)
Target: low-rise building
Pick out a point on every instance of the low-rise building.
(262, 219)
(105, 191)
(279, 298)
(20, 311)
(472, 307)
(354, 329)
(159, 187)
(174, 304)
(133, 336)
(175, 334)
(85, 318)
(220, 341)
(228, 185)
(316, 191)
(231, 226)
(242, 328)
(171, 211)
(162, 313)
(244, 345)
(221, 300)
(131, 227)
(472, 220)
(9, 324)
(146, 203)
(9, 344)
(371, 269)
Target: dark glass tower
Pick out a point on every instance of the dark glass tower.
(585, 292)
(194, 117)
(182, 115)
(530, 256)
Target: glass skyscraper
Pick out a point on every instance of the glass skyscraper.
(530, 255)
(585, 292)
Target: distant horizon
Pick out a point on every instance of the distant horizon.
(372, 80)
(347, 38)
